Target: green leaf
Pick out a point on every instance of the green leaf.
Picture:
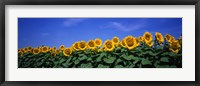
(76, 61)
(130, 57)
(119, 66)
(131, 66)
(145, 62)
(88, 65)
(102, 66)
(84, 57)
(89, 59)
(119, 60)
(100, 57)
(39, 63)
(61, 61)
(109, 60)
(136, 60)
(164, 59)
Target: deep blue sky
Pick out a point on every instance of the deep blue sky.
(56, 31)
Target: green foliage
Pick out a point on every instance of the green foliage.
(140, 57)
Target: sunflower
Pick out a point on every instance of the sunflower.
(130, 42)
(147, 37)
(169, 38)
(123, 43)
(29, 49)
(137, 42)
(159, 38)
(109, 45)
(54, 48)
(174, 46)
(62, 47)
(57, 51)
(82, 45)
(150, 44)
(25, 49)
(67, 51)
(36, 50)
(75, 46)
(98, 42)
(91, 44)
(53, 53)
(45, 49)
(140, 38)
(116, 41)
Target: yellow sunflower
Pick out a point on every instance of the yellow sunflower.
(123, 44)
(137, 42)
(98, 42)
(62, 47)
(109, 45)
(54, 48)
(36, 50)
(150, 44)
(75, 46)
(116, 41)
(169, 38)
(25, 49)
(67, 51)
(57, 51)
(45, 49)
(91, 44)
(29, 49)
(174, 46)
(82, 45)
(147, 37)
(130, 42)
(140, 38)
(53, 53)
(159, 38)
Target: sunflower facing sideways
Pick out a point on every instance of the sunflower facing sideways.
(75, 46)
(159, 38)
(123, 43)
(82, 45)
(109, 45)
(91, 44)
(116, 41)
(169, 38)
(45, 49)
(98, 42)
(67, 51)
(174, 46)
(148, 39)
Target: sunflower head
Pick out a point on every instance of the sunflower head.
(169, 38)
(29, 49)
(147, 37)
(54, 48)
(140, 38)
(82, 45)
(137, 41)
(98, 42)
(25, 49)
(36, 50)
(67, 51)
(130, 42)
(53, 53)
(91, 44)
(62, 47)
(123, 44)
(116, 41)
(45, 49)
(109, 45)
(57, 51)
(159, 38)
(75, 46)
(174, 46)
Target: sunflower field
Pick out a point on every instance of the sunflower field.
(130, 52)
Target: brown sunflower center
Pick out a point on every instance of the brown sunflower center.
(109, 44)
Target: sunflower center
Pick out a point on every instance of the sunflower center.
(130, 42)
(115, 40)
(91, 44)
(67, 51)
(109, 45)
(82, 45)
(98, 42)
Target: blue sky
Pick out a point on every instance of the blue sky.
(57, 31)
